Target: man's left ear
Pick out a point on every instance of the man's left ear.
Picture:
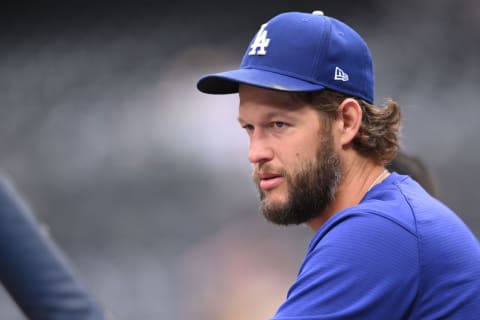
(350, 116)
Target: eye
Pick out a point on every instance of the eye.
(248, 127)
(278, 125)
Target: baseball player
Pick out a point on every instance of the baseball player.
(383, 247)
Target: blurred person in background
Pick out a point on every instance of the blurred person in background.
(408, 164)
(383, 248)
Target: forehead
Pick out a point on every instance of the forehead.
(255, 100)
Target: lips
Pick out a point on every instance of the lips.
(268, 181)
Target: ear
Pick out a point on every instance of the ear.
(350, 118)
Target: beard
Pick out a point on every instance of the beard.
(311, 189)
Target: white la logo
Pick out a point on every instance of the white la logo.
(260, 43)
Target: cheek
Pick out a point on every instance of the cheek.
(306, 150)
(298, 158)
(298, 151)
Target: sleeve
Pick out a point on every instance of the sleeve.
(34, 270)
(364, 267)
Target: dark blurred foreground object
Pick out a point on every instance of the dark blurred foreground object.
(33, 269)
(413, 166)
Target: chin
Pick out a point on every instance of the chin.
(273, 198)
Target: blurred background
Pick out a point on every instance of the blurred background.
(144, 182)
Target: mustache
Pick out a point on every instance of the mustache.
(267, 168)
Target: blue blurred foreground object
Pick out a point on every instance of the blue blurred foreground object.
(33, 269)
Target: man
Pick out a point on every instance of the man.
(383, 247)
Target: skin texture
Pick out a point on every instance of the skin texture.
(285, 136)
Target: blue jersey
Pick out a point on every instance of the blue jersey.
(399, 254)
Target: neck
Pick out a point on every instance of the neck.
(358, 178)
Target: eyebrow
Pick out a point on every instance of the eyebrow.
(270, 115)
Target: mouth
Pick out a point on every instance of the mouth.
(267, 181)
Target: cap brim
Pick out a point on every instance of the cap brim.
(227, 82)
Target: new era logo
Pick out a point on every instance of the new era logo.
(340, 74)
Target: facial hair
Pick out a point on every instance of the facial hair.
(311, 189)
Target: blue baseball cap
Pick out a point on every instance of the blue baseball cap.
(296, 52)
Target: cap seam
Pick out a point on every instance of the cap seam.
(321, 55)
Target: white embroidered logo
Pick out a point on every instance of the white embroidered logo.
(340, 74)
(260, 43)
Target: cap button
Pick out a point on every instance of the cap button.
(318, 12)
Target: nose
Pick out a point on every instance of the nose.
(259, 151)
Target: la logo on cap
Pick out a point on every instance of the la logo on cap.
(260, 43)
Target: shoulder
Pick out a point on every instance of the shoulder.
(364, 264)
(384, 213)
(363, 236)
(378, 234)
